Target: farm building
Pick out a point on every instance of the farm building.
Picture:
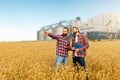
(98, 27)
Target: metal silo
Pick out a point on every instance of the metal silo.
(70, 25)
(40, 34)
(49, 29)
(58, 29)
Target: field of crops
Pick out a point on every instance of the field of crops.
(35, 61)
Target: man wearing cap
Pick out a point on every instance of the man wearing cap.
(79, 53)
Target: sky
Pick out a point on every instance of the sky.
(21, 19)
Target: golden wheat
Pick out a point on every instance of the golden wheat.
(35, 61)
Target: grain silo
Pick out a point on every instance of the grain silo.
(70, 25)
(40, 34)
(49, 29)
(58, 29)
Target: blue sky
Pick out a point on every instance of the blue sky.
(20, 19)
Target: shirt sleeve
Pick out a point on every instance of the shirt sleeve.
(53, 36)
(72, 43)
(69, 47)
(69, 43)
(86, 43)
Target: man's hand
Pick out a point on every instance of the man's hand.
(46, 33)
(67, 47)
(77, 50)
(73, 48)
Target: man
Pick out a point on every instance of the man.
(62, 49)
(79, 53)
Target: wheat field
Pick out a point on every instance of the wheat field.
(35, 61)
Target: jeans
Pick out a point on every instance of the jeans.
(60, 60)
(80, 60)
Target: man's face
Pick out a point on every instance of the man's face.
(65, 32)
(74, 30)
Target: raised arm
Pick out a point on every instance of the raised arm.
(51, 35)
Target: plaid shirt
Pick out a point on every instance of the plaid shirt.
(61, 43)
(82, 40)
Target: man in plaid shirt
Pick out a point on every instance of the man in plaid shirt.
(62, 49)
(79, 53)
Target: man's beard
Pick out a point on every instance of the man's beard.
(64, 34)
(74, 32)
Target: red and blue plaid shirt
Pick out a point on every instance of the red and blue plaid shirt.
(61, 43)
(82, 39)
